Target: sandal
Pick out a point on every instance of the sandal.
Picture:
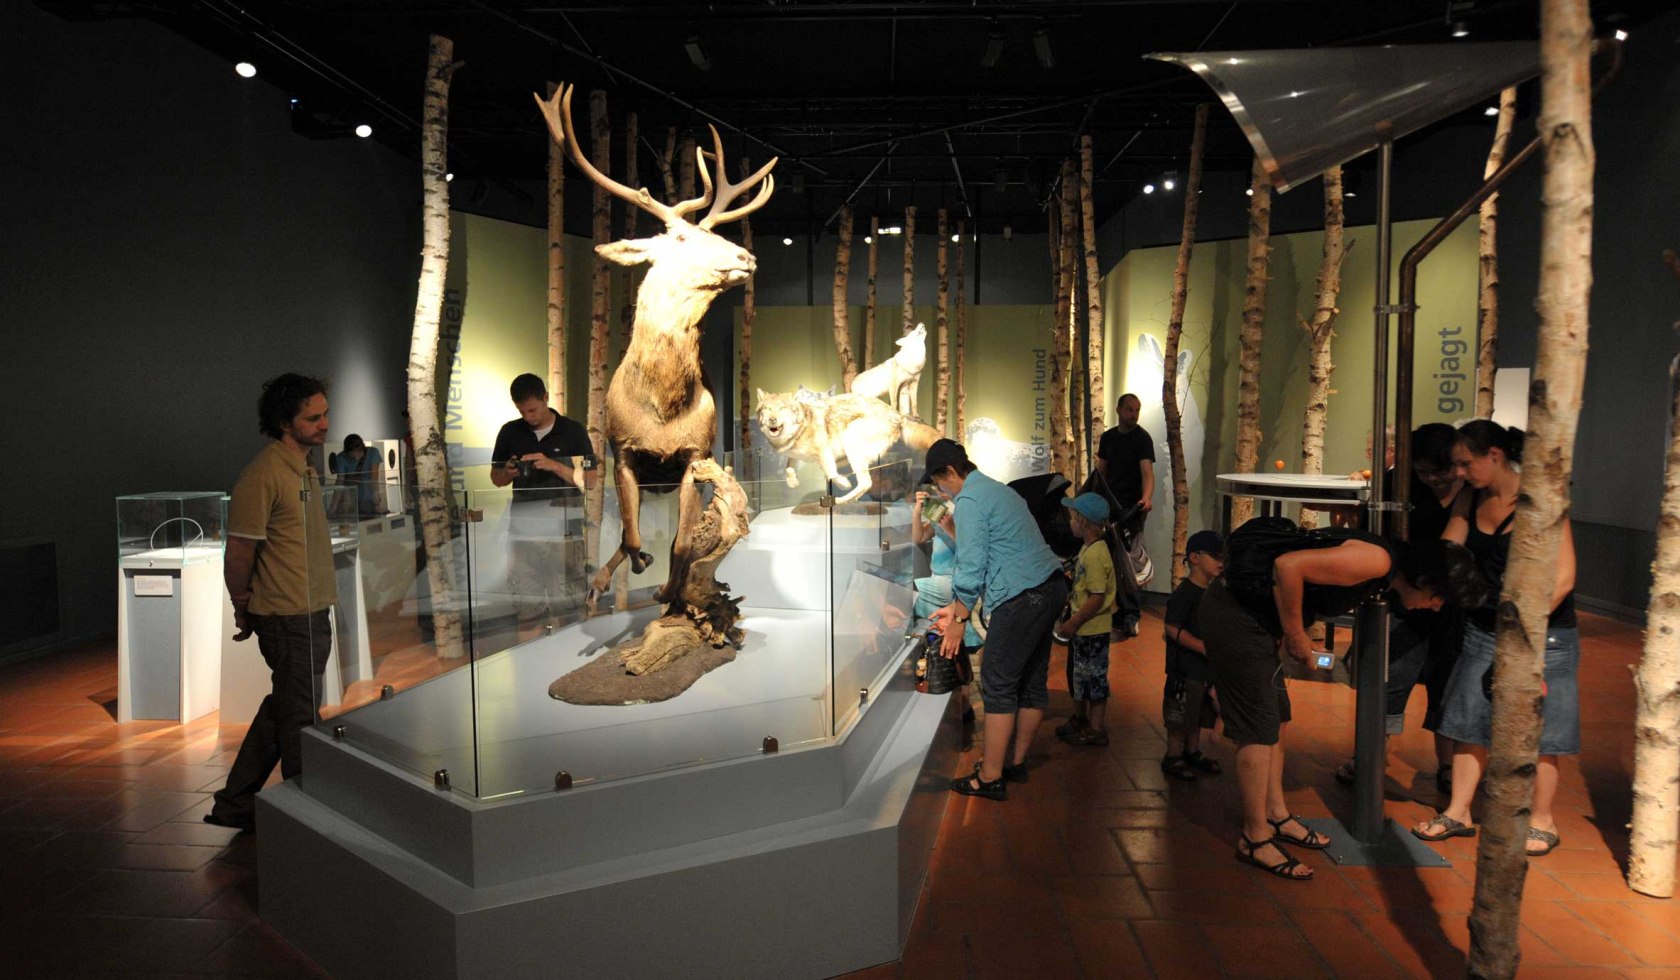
(973, 785)
(1313, 840)
(1074, 725)
(1283, 869)
(1178, 767)
(1011, 774)
(1546, 837)
(1203, 764)
(1449, 828)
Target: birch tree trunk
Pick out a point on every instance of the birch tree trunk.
(909, 270)
(1094, 324)
(1058, 316)
(1254, 319)
(685, 168)
(842, 310)
(1487, 305)
(962, 333)
(1061, 419)
(1320, 328)
(431, 456)
(1543, 500)
(749, 312)
(556, 271)
(868, 360)
(1656, 686)
(942, 381)
(666, 173)
(1169, 351)
(600, 312)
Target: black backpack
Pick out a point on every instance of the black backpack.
(1251, 550)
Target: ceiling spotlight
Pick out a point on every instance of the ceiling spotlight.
(787, 241)
(956, 238)
(1249, 192)
(245, 70)
(1041, 45)
(696, 53)
(1460, 28)
(448, 177)
(994, 45)
(868, 240)
(363, 130)
(1491, 110)
(1621, 35)
(1168, 184)
(1149, 188)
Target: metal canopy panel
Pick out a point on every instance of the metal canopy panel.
(1306, 110)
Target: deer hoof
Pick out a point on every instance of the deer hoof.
(639, 561)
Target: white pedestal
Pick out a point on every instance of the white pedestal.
(168, 653)
(246, 679)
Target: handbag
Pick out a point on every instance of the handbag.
(944, 675)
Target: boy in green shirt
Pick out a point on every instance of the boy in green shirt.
(1090, 614)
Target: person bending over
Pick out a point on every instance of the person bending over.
(1002, 559)
(1319, 574)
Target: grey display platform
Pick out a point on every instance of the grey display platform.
(802, 863)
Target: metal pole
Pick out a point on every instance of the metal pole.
(1379, 367)
(1371, 637)
(1371, 651)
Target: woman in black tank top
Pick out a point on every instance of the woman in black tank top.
(1488, 456)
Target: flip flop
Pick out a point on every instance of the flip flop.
(1313, 840)
(1546, 837)
(1449, 828)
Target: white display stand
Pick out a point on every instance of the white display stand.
(246, 679)
(169, 657)
(393, 460)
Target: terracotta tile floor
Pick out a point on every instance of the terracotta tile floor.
(1095, 868)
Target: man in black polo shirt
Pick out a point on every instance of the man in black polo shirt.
(543, 454)
(1126, 460)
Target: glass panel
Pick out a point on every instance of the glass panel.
(169, 527)
(392, 671)
(870, 572)
(524, 643)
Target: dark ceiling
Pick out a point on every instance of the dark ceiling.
(879, 103)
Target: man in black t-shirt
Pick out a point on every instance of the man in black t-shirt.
(1126, 463)
(544, 455)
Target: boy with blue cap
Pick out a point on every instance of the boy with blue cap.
(1086, 622)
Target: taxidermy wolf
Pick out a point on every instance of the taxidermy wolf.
(897, 378)
(853, 429)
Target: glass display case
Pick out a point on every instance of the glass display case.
(487, 671)
(170, 528)
(169, 604)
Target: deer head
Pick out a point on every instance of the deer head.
(687, 257)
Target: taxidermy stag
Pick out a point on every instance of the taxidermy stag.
(661, 419)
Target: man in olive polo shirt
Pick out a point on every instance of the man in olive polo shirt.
(279, 571)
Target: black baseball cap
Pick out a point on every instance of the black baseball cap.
(1205, 542)
(943, 453)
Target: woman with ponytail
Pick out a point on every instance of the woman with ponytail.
(1489, 457)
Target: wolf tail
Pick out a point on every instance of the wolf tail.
(918, 436)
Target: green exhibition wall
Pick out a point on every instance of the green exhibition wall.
(1137, 306)
(1006, 367)
(498, 282)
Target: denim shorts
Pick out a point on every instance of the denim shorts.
(1088, 667)
(1015, 671)
(1467, 714)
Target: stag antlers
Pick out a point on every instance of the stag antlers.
(557, 111)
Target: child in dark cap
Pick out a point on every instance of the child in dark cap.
(1185, 705)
